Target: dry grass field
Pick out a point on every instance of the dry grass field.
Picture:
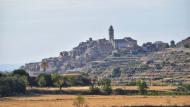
(92, 101)
(85, 88)
(95, 100)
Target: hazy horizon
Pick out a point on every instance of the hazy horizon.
(31, 30)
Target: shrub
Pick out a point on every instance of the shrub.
(104, 82)
(94, 90)
(119, 91)
(20, 72)
(77, 80)
(142, 87)
(79, 101)
(184, 88)
(105, 85)
(44, 80)
(32, 81)
(5, 87)
(132, 83)
(21, 84)
(106, 90)
(58, 81)
(11, 85)
(41, 81)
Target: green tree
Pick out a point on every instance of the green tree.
(48, 80)
(104, 82)
(77, 80)
(44, 80)
(21, 84)
(172, 44)
(58, 80)
(32, 82)
(41, 80)
(107, 90)
(105, 85)
(94, 90)
(71, 80)
(142, 87)
(5, 88)
(184, 88)
(11, 85)
(20, 72)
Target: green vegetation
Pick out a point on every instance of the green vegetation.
(119, 91)
(41, 81)
(105, 85)
(94, 90)
(142, 87)
(58, 80)
(184, 89)
(20, 72)
(13, 85)
(44, 80)
(79, 101)
(16, 82)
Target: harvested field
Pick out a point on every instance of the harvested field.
(85, 88)
(92, 101)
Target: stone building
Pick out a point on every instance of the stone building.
(33, 69)
(124, 43)
(161, 45)
(90, 51)
(149, 47)
(156, 46)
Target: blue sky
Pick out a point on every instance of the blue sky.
(34, 29)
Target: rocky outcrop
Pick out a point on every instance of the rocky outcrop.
(85, 52)
(100, 55)
(184, 43)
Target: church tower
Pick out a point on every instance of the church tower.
(111, 34)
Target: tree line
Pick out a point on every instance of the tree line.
(58, 80)
(16, 82)
(13, 83)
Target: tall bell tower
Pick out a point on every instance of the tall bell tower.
(111, 34)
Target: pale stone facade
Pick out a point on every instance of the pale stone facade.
(124, 43)
(93, 51)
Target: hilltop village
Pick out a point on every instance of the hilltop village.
(101, 57)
